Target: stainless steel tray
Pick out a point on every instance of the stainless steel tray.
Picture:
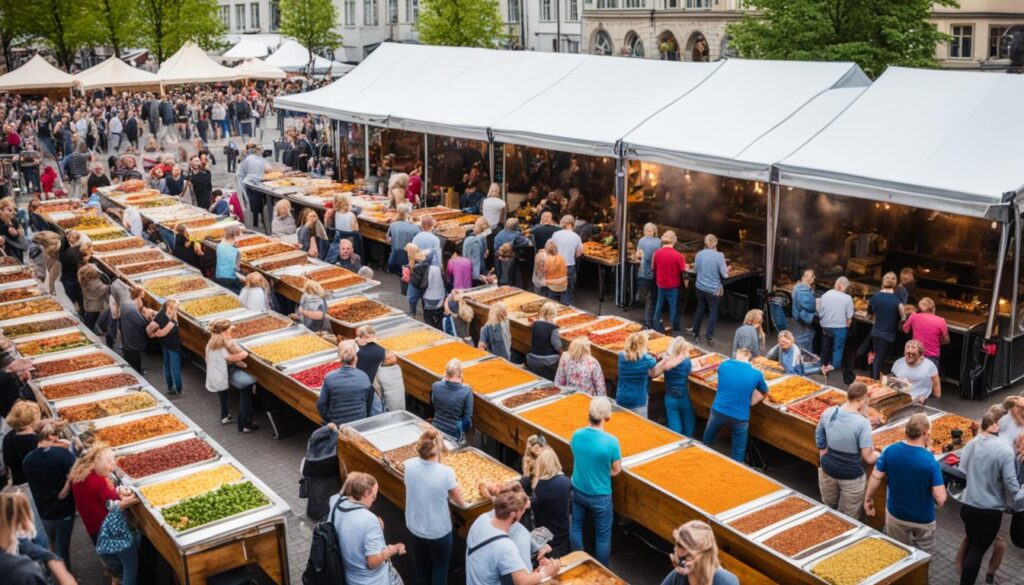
(72, 353)
(738, 512)
(34, 319)
(57, 405)
(251, 315)
(810, 551)
(913, 555)
(79, 428)
(163, 442)
(500, 400)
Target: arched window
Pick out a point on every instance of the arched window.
(601, 43)
(668, 46)
(634, 44)
(697, 47)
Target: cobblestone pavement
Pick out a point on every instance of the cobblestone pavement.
(634, 556)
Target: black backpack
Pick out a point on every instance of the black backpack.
(325, 566)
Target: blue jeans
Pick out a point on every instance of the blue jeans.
(706, 301)
(431, 558)
(717, 421)
(124, 565)
(172, 369)
(566, 297)
(832, 346)
(601, 508)
(58, 532)
(647, 284)
(671, 296)
(680, 415)
(414, 294)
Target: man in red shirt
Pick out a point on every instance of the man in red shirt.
(669, 266)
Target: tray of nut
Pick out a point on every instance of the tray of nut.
(864, 559)
(157, 456)
(101, 405)
(80, 361)
(36, 324)
(280, 347)
(135, 427)
(805, 535)
(768, 512)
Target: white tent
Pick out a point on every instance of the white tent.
(710, 128)
(942, 140)
(191, 64)
(35, 74)
(115, 73)
(271, 40)
(293, 58)
(258, 69)
(246, 49)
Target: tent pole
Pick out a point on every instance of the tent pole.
(772, 217)
(997, 284)
(366, 152)
(424, 188)
(490, 156)
(1016, 287)
(622, 225)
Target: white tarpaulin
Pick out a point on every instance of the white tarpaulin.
(710, 128)
(258, 69)
(392, 77)
(191, 64)
(942, 140)
(115, 73)
(246, 49)
(36, 73)
(480, 95)
(589, 110)
(293, 58)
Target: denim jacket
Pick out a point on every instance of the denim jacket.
(804, 303)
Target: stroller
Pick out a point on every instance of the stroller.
(321, 472)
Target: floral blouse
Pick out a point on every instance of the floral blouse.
(585, 375)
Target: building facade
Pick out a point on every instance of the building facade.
(543, 25)
(695, 30)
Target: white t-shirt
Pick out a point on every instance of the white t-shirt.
(836, 309)
(920, 376)
(217, 370)
(489, 563)
(427, 484)
(344, 221)
(568, 242)
(491, 208)
(254, 298)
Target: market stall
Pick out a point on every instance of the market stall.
(37, 77)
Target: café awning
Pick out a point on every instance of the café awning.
(943, 140)
(746, 116)
(35, 75)
(115, 73)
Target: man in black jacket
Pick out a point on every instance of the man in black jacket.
(243, 113)
(167, 118)
(151, 114)
(201, 180)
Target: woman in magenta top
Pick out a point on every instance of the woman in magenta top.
(93, 488)
(928, 328)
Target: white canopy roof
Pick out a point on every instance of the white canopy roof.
(115, 73)
(293, 57)
(258, 69)
(191, 64)
(246, 49)
(36, 73)
(485, 91)
(589, 110)
(752, 107)
(943, 140)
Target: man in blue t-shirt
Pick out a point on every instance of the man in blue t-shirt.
(596, 458)
(740, 386)
(915, 487)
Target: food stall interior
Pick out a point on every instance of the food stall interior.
(954, 258)
(547, 170)
(353, 151)
(454, 163)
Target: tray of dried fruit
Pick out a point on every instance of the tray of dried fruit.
(38, 323)
(530, 395)
(20, 291)
(311, 371)
(107, 403)
(802, 537)
(278, 348)
(56, 341)
(136, 427)
(812, 406)
(407, 335)
(252, 323)
(106, 379)
(79, 361)
(206, 305)
(941, 436)
(174, 283)
(17, 276)
(586, 571)
(864, 558)
(117, 245)
(599, 326)
(488, 294)
(156, 457)
(768, 512)
(261, 263)
(357, 310)
(791, 388)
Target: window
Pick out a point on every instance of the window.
(392, 11)
(671, 3)
(513, 10)
(608, 4)
(254, 15)
(275, 15)
(962, 45)
(700, 4)
(633, 3)
(545, 11)
(634, 44)
(350, 12)
(370, 13)
(602, 43)
(571, 46)
(225, 17)
(996, 48)
(240, 16)
(412, 10)
(572, 9)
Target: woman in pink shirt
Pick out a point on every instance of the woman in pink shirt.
(928, 328)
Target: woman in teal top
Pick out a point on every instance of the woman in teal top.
(225, 273)
(678, 409)
(636, 368)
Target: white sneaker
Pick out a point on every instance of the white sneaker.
(227, 420)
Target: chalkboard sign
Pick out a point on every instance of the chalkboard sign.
(499, 162)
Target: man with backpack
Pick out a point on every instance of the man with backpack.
(492, 557)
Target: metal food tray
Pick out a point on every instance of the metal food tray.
(706, 368)
(51, 333)
(585, 561)
(381, 423)
(249, 343)
(182, 271)
(913, 555)
(25, 282)
(544, 383)
(484, 501)
(259, 262)
(71, 353)
(57, 405)
(79, 428)
(814, 549)
(825, 388)
(34, 318)
(43, 384)
(182, 472)
(120, 269)
(393, 313)
(905, 414)
(250, 315)
(465, 364)
(506, 392)
(209, 292)
(781, 405)
(145, 246)
(163, 442)
(752, 506)
(222, 521)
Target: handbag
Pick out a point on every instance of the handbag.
(116, 533)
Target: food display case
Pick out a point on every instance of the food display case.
(347, 314)
(37, 324)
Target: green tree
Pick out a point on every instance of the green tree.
(117, 23)
(461, 23)
(873, 33)
(166, 25)
(62, 25)
(311, 22)
(13, 27)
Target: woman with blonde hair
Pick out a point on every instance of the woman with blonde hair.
(398, 191)
(750, 335)
(311, 231)
(48, 267)
(636, 368)
(256, 295)
(95, 294)
(21, 439)
(15, 521)
(678, 409)
(496, 336)
(788, 353)
(551, 500)
(95, 496)
(556, 273)
(312, 308)
(580, 370)
(429, 485)
(221, 353)
(164, 328)
(545, 342)
(695, 557)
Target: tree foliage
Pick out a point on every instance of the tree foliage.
(166, 25)
(461, 23)
(13, 27)
(116, 22)
(873, 33)
(312, 23)
(61, 25)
